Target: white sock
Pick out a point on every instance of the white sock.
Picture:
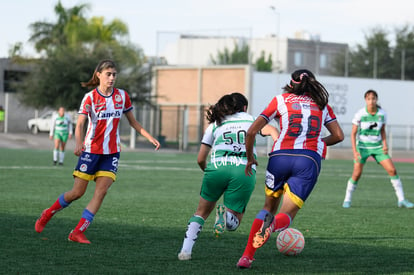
(61, 156)
(195, 225)
(397, 184)
(55, 154)
(350, 188)
(232, 222)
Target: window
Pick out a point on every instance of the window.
(323, 61)
(298, 59)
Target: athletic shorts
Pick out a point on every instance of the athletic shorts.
(293, 173)
(377, 154)
(90, 166)
(62, 136)
(231, 182)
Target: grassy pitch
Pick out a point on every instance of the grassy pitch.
(141, 224)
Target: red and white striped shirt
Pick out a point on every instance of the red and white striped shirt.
(300, 121)
(104, 113)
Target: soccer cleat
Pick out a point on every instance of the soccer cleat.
(220, 224)
(264, 232)
(406, 204)
(54, 163)
(184, 256)
(60, 163)
(78, 237)
(346, 204)
(42, 221)
(244, 262)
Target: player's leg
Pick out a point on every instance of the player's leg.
(235, 198)
(396, 182)
(352, 182)
(264, 216)
(212, 187)
(88, 214)
(62, 146)
(194, 227)
(63, 201)
(55, 149)
(103, 169)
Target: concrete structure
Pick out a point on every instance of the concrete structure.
(17, 114)
(287, 54)
(188, 91)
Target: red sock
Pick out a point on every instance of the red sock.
(281, 222)
(82, 226)
(250, 250)
(55, 207)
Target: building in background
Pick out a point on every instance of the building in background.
(303, 51)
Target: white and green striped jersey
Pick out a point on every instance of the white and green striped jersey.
(60, 124)
(369, 128)
(228, 140)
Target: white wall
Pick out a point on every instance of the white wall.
(346, 95)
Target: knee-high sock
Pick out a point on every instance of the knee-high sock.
(350, 188)
(257, 224)
(85, 221)
(61, 156)
(281, 222)
(398, 187)
(55, 155)
(232, 222)
(194, 227)
(58, 205)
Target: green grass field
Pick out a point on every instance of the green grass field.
(141, 224)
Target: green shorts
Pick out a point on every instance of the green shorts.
(231, 181)
(62, 136)
(377, 154)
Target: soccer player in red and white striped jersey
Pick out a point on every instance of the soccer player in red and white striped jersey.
(99, 148)
(295, 161)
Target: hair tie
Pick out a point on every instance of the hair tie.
(302, 75)
(296, 82)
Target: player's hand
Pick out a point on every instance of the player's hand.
(50, 137)
(385, 149)
(78, 149)
(248, 169)
(156, 143)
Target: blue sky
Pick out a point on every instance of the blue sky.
(343, 21)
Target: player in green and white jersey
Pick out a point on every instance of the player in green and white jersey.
(60, 131)
(368, 138)
(224, 175)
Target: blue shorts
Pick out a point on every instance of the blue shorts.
(293, 172)
(90, 166)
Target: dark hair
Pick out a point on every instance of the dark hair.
(102, 65)
(227, 105)
(303, 82)
(374, 93)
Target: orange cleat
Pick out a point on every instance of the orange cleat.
(42, 221)
(78, 237)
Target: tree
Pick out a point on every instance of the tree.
(239, 55)
(377, 58)
(70, 22)
(263, 65)
(72, 54)
(404, 52)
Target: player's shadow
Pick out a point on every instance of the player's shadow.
(121, 248)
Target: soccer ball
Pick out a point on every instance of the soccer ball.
(290, 242)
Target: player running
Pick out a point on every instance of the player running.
(368, 138)
(295, 161)
(99, 149)
(224, 174)
(60, 131)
